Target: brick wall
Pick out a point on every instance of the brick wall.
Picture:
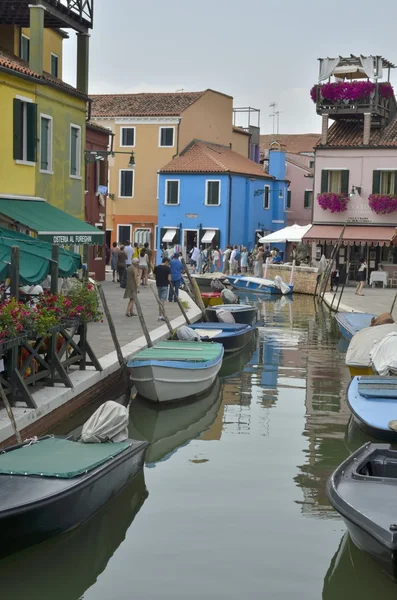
(304, 277)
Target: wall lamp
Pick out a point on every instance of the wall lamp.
(259, 192)
(92, 156)
(356, 189)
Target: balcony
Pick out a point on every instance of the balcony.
(76, 14)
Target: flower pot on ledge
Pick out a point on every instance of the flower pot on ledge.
(333, 202)
(382, 204)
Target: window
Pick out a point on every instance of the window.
(384, 182)
(142, 236)
(25, 47)
(45, 143)
(308, 199)
(126, 183)
(25, 130)
(172, 191)
(75, 150)
(213, 193)
(288, 199)
(266, 198)
(336, 181)
(127, 136)
(54, 64)
(311, 164)
(166, 138)
(123, 233)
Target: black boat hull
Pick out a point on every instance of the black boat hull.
(55, 514)
(366, 543)
(248, 316)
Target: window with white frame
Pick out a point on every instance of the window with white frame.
(385, 182)
(308, 199)
(24, 130)
(126, 183)
(166, 137)
(75, 150)
(46, 143)
(213, 192)
(142, 236)
(172, 191)
(123, 233)
(266, 198)
(25, 47)
(54, 64)
(127, 137)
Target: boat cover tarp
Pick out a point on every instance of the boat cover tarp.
(35, 258)
(358, 352)
(179, 351)
(109, 423)
(384, 354)
(56, 457)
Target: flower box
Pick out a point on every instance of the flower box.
(333, 202)
(382, 204)
(349, 91)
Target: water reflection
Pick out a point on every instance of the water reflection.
(66, 566)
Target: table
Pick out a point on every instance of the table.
(378, 276)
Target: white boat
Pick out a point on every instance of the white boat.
(175, 370)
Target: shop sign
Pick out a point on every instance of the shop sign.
(191, 216)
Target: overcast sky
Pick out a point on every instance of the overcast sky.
(258, 52)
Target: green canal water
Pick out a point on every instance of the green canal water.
(232, 502)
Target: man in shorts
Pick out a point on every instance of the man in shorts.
(162, 274)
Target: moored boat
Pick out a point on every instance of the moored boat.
(204, 280)
(260, 285)
(363, 491)
(175, 370)
(242, 313)
(233, 336)
(211, 298)
(358, 355)
(350, 323)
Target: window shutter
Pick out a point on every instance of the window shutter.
(17, 129)
(217, 238)
(324, 181)
(31, 130)
(376, 182)
(289, 198)
(345, 182)
(306, 202)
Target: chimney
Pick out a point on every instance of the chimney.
(36, 38)
(367, 128)
(324, 130)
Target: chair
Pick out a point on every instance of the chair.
(393, 280)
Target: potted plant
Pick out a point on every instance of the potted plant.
(333, 202)
(382, 204)
(84, 302)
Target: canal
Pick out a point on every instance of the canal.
(232, 500)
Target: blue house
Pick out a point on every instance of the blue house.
(210, 194)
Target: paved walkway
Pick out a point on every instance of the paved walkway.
(375, 300)
(127, 328)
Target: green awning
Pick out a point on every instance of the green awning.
(51, 224)
(34, 258)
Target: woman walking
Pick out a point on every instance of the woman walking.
(113, 261)
(362, 277)
(122, 265)
(215, 259)
(258, 264)
(133, 274)
(143, 266)
(244, 260)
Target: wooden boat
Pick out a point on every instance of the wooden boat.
(242, 313)
(54, 484)
(74, 560)
(211, 298)
(373, 402)
(233, 336)
(260, 285)
(169, 427)
(350, 323)
(363, 491)
(358, 353)
(204, 280)
(175, 370)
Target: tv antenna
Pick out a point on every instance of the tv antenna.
(276, 117)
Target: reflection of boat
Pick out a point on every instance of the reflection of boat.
(351, 569)
(233, 336)
(363, 491)
(66, 566)
(350, 323)
(242, 313)
(55, 484)
(236, 361)
(175, 370)
(355, 437)
(211, 298)
(372, 408)
(260, 285)
(169, 427)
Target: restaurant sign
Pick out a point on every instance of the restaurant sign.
(73, 239)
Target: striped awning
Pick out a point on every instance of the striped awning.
(359, 235)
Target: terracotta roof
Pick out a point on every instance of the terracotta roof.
(294, 143)
(14, 63)
(300, 161)
(349, 134)
(142, 105)
(99, 128)
(203, 157)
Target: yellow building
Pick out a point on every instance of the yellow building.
(156, 127)
(42, 125)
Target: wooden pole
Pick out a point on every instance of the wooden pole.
(343, 285)
(54, 269)
(10, 415)
(112, 328)
(291, 281)
(180, 304)
(14, 285)
(196, 291)
(162, 310)
(392, 306)
(140, 313)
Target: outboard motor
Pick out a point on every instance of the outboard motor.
(216, 285)
(109, 423)
(228, 297)
(186, 334)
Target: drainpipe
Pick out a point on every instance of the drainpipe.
(229, 213)
(177, 139)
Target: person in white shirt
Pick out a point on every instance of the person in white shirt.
(143, 267)
(194, 258)
(129, 250)
(233, 261)
(215, 259)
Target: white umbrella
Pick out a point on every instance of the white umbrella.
(294, 233)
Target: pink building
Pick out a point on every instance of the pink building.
(355, 179)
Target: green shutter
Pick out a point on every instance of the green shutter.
(345, 182)
(217, 238)
(324, 181)
(306, 202)
(288, 198)
(17, 129)
(31, 130)
(375, 182)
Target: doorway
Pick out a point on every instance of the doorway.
(190, 239)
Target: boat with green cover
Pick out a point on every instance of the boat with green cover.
(174, 370)
(51, 485)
